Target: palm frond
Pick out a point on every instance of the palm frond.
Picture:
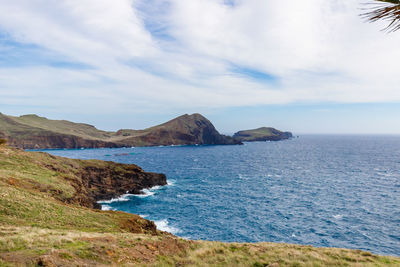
(387, 10)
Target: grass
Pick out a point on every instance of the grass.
(38, 227)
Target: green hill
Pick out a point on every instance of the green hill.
(46, 219)
(262, 134)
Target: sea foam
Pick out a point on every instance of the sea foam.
(121, 198)
(163, 225)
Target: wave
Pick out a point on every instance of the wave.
(163, 225)
(106, 207)
(126, 197)
(145, 193)
(121, 198)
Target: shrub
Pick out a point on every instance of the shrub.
(2, 141)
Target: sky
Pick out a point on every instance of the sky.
(307, 66)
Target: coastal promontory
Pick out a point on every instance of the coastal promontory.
(35, 132)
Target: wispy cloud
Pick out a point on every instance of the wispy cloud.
(167, 54)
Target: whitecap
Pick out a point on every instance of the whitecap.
(243, 177)
(171, 182)
(124, 197)
(145, 193)
(144, 215)
(163, 225)
(106, 207)
(338, 216)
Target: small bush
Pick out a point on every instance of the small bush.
(259, 264)
(2, 141)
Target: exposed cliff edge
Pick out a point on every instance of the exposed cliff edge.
(88, 181)
(34, 132)
(262, 134)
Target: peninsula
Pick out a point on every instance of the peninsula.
(34, 132)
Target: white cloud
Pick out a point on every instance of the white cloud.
(320, 51)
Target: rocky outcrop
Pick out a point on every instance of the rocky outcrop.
(262, 134)
(95, 180)
(109, 180)
(184, 130)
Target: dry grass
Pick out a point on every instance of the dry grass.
(24, 245)
(203, 253)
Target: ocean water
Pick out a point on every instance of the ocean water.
(325, 191)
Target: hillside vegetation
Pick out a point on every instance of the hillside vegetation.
(262, 134)
(45, 220)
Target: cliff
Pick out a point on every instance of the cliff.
(34, 132)
(88, 181)
(46, 220)
(262, 134)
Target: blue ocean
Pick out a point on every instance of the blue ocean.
(320, 190)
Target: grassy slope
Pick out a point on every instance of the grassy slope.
(62, 126)
(260, 133)
(36, 228)
(8, 126)
(265, 131)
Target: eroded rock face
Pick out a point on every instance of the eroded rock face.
(96, 180)
(114, 179)
(57, 141)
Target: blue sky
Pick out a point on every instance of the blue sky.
(305, 66)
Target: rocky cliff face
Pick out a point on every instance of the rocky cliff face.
(262, 134)
(48, 140)
(110, 180)
(95, 180)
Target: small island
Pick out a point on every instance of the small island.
(262, 134)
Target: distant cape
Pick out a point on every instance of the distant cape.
(262, 134)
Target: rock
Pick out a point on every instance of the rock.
(96, 180)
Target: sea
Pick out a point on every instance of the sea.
(320, 190)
